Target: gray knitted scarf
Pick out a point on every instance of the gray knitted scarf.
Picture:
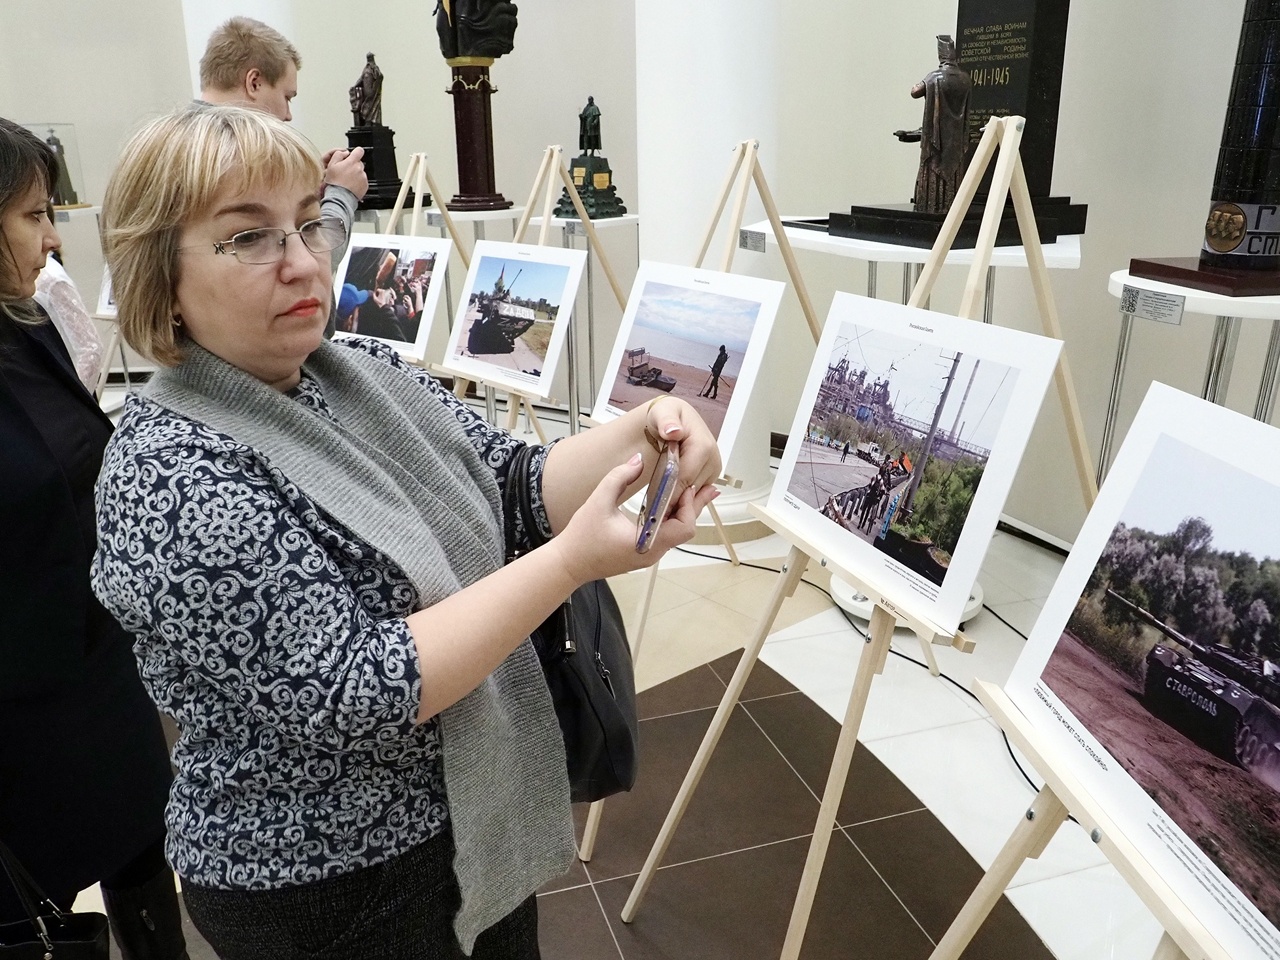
(398, 471)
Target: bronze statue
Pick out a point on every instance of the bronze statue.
(366, 96)
(943, 135)
(64, 195)
(475, 28)
(589, 127)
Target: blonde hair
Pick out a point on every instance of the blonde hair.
(240, 45)
(169, 174)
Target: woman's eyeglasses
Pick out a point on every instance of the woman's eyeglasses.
(266, 244)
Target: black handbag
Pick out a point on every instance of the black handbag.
(587, 662)
(54, 934)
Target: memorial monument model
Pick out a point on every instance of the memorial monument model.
(474, 33)
(378, 140)
(64, 195)
(590, 171)
(1240, 253)
(1012, 51)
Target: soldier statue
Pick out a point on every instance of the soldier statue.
(943, 135)
(366, 96)
(589, 127)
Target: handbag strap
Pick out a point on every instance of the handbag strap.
(516, 502)
(29, 894)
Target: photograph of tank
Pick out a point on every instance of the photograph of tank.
(897, 442)
(904, 445)
(384, 288)
(694, 334)
(1151, 673)
(509, 326)
(1172, 657)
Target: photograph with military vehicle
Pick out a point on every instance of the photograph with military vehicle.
(905, 416)
(512, 315)
(387, 287)
(1155, 664)
(699, 335)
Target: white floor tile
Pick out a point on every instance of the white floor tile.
(1089, 915)
(1021, 614)
(963, 774)
(903, 699)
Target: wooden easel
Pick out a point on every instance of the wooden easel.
(1064, 795)
(887, 611)
(418, 172)
(884, 618)
(744, 170)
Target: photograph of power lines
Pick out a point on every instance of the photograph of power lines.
(902, 414)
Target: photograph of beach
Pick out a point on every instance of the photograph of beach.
(692, 334)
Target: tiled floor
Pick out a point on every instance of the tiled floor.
(932, 795)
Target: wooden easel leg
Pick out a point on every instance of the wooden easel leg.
(460, 385)
(1027, 842)
(397, 208)
(538, 181)
(513, 411)
(926, 648)
(749, 160)
(1168, 949)
(549, 197)
(534, 422)
(721, 199)
(590, 831)
(788, 255)
(785, 586)
(593, 239)
(869, 664)
(1049, 318)
(642, 612)
(724, 535)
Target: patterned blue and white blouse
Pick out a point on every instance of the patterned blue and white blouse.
(277, 641)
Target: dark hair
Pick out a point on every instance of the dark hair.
(24, 159)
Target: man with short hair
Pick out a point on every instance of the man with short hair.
(249, 64)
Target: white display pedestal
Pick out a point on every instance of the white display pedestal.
(1228, 312)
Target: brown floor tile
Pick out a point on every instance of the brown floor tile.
(933, 875)
(737, 907)
(576, 876)
(571, 927)
(807, 736)
(747, 796)
(697, 689)
(763, 682)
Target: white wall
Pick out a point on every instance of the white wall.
(822, 85)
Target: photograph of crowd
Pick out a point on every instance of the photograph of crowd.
(694, 334)
(508, 328)
(897, 442)
(384, 289)
(1171, 657)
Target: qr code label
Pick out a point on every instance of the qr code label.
(1150, 305)
(1129, 300)
(751, 240)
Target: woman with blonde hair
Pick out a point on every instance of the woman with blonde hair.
(84, 772)
(306, 539)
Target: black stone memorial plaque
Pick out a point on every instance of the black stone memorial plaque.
(1013, 50)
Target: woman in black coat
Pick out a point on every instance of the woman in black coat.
(84, 771)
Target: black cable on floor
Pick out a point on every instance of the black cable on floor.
(853, 624)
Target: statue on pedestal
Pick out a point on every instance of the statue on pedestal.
(366, 96)
(943, 134)
(378, 140)
(589, 127)
(473, 33)
(475, 28)
(590, 172)
(64, 195)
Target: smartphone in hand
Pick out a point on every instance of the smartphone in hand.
(657, 499)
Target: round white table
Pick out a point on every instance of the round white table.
(1228, 311)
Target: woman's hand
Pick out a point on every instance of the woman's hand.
(669, 418)
(600, 540)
